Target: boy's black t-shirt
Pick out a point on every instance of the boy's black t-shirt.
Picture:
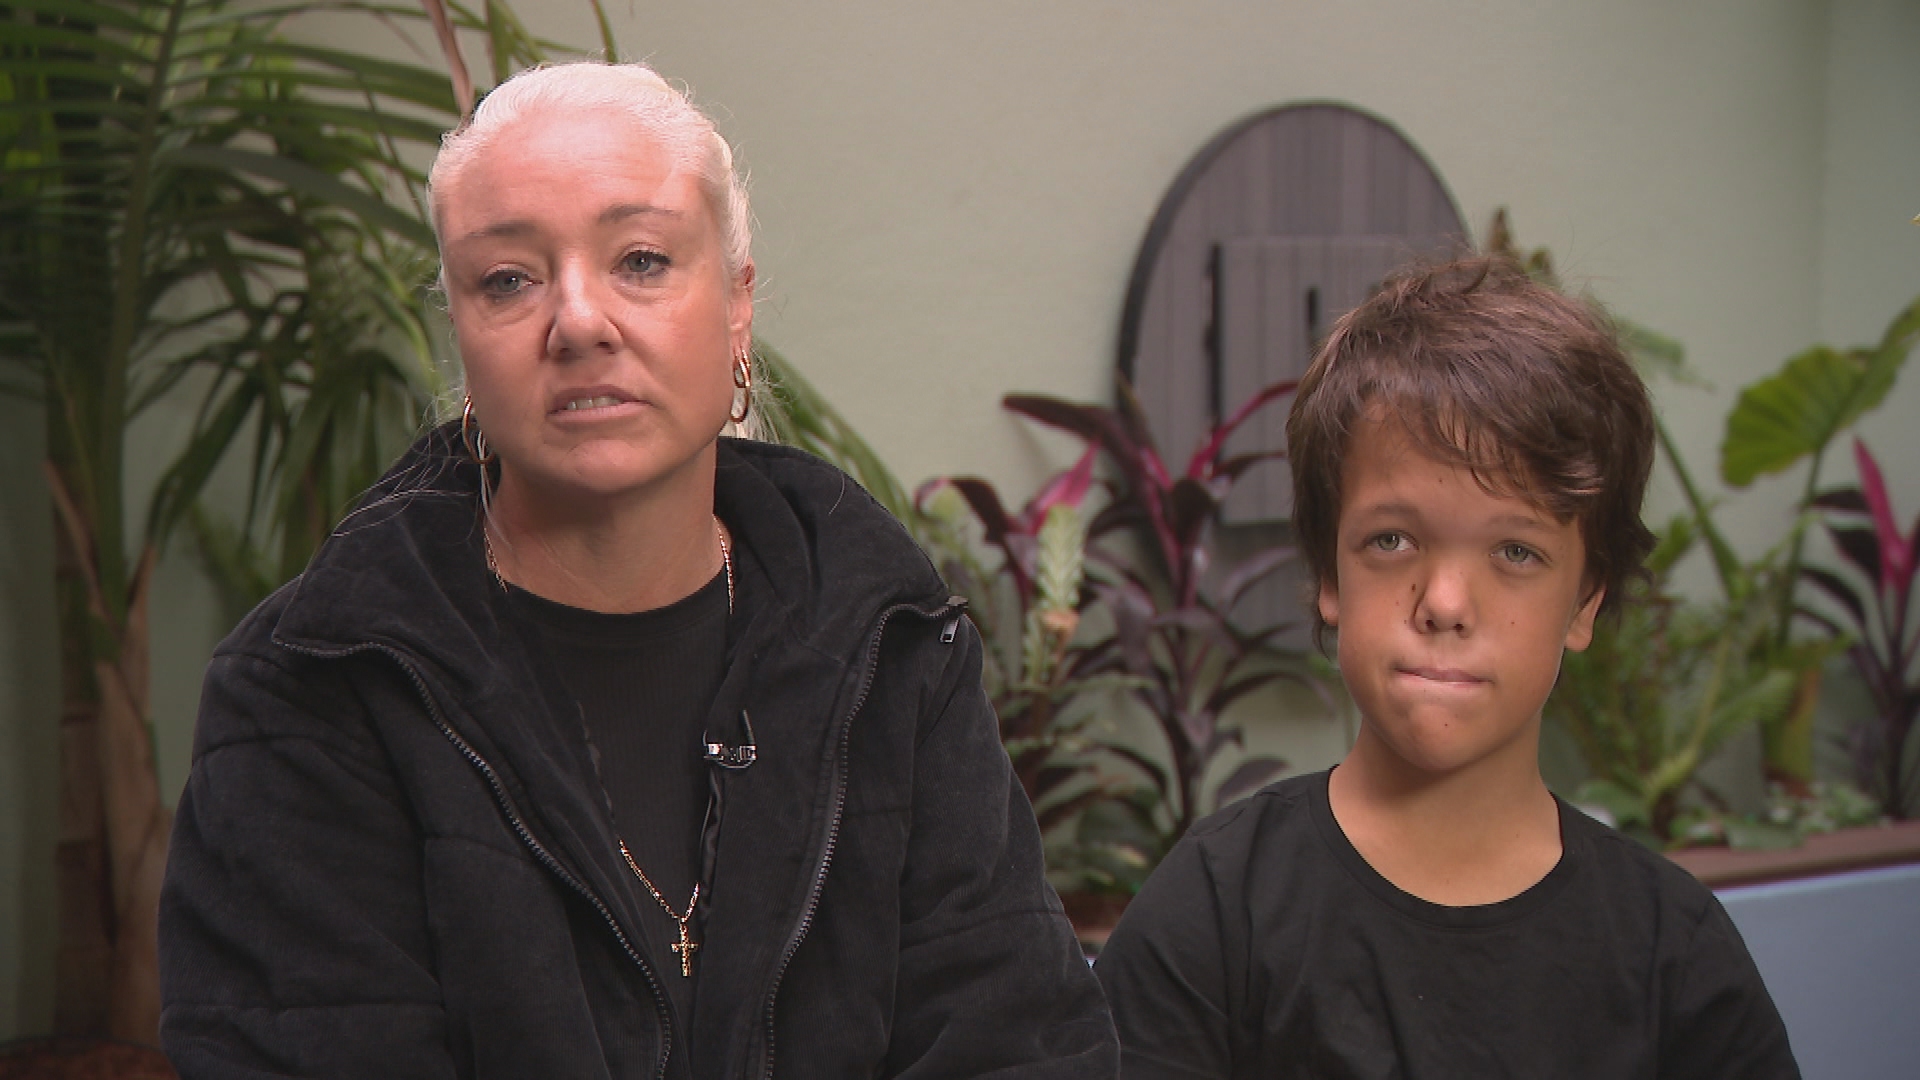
(1265, 946)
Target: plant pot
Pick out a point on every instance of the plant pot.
(1859, 848)
(71, 1058)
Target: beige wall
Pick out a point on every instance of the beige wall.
(1869, 248)
(950, 197)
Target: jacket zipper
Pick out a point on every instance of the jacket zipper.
(540, 853)
(839, 804)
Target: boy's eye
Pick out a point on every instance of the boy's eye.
(1518, 554)
(643, 263)
(504, 283)
(1388, 542)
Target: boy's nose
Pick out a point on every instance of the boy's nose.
(1445, 602)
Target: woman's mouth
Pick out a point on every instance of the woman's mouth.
(586, 400)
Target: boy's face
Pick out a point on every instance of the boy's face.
(1453, 605)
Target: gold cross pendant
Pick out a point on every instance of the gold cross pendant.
(686, 947)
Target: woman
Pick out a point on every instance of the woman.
(593, 744)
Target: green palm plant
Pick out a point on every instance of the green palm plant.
(194, 203)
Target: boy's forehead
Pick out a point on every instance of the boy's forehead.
(1387, 455)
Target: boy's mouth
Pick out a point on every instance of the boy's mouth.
(1443, 676)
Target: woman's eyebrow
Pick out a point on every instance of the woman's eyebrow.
(616, 213)
(502, 229)
(623, 211)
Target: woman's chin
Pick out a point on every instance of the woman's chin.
(610, 471)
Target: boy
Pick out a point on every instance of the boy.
(1469, 453)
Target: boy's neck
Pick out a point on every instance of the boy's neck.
(1476, 835)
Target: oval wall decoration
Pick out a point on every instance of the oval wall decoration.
(1281, 224)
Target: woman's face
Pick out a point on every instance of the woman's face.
(594, 313)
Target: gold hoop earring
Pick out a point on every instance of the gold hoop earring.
(471, 435)
(743, 382)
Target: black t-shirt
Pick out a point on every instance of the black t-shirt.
(1265, 946)
(645, 682)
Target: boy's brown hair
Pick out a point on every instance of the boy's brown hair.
(1494, 372)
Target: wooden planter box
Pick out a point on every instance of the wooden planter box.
(71, 1058)
(1827, 853)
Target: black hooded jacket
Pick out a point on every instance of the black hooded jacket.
(393, 857)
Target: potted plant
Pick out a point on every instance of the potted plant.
(1792, 415)
(1720, 668)
(1882, 625)
(1777, 422)
(198, 204)
(1661, 688)
(1165, 642)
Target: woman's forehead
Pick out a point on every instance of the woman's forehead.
(556, 163)
(569, 138)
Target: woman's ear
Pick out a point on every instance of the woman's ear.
(740, 308)
(1329, 603)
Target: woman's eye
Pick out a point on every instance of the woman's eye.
(1388, 542)
(503, 283)
(644, 263)
(1518, 554)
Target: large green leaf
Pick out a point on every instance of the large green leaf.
(1818, 394)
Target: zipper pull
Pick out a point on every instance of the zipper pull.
(952, 628)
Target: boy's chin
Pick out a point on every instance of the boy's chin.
(1438, 748)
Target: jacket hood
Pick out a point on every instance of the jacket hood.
(407, 568)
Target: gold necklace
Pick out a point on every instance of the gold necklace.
(719, 533)
(686, 946)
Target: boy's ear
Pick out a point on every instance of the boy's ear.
(1580, 630)
(1329, 603)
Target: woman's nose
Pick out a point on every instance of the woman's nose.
(581, 323)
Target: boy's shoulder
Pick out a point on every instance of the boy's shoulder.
(1277, 820)
(1287, 801)
(1617, 862)
(1286, 830)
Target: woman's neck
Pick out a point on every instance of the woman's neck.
(614, 554)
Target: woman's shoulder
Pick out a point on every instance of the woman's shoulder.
(818, 530)
(809, 483)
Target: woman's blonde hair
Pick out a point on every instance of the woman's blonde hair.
(634, 89)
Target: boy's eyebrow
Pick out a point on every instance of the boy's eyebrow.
(1389, 507)
(1396, 508)
(1521, 521)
